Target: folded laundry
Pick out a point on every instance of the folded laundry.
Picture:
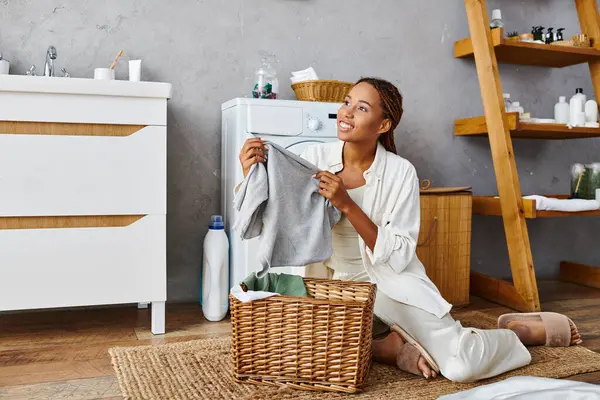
(279, 202)
(308, 74)
(543, 203)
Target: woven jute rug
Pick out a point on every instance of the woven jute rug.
(201, 369)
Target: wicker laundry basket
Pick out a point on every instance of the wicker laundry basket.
(321, 342)
(320, 90)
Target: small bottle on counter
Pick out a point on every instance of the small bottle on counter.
(4, 66)
(266, 85)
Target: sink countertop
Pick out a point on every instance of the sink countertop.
(60, 85)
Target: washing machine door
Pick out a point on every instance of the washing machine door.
(298, 148)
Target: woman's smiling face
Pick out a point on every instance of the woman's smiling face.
(361, 117)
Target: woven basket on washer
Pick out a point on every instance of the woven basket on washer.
(320, 90)
(319, 342)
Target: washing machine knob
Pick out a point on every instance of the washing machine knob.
(314, 124)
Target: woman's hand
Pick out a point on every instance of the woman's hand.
(252, 152)
(332, 187)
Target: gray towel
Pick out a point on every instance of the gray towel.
(280, 202)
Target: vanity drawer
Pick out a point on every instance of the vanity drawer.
(82, 108)
(43, 268)
(58, 174)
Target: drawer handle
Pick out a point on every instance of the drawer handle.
(70, 129)
(431, 230)
(69, 222)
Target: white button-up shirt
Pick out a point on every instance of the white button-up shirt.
(391, 201)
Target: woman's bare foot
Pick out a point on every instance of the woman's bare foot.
(533, 333)
(389, 351)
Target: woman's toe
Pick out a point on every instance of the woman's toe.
(424, 368)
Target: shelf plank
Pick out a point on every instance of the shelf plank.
(498, 291)
(580, 274)
(490, 205)
(524, 53)
(477, 126)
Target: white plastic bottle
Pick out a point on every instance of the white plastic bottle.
(215, 271)
(575, 107)
(591, 111)
(561, 111)
(496, 19)
(507, 102)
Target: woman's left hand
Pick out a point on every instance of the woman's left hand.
(332, 187)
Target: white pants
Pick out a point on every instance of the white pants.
(463, 354)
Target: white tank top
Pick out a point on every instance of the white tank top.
(346, 256)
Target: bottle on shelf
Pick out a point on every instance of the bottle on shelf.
(497, 19)
(549, 36)
(561, 111)
(507, 102)
(576, 105)
(591, 111)
(516, 107)
(538, 33)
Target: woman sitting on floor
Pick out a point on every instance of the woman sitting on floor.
(376, 239)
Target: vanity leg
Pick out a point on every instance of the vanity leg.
(158, 317)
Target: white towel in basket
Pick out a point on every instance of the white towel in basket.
(250, 295)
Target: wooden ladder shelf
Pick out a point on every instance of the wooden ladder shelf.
(488, 47)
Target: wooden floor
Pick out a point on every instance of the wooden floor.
(63, 354)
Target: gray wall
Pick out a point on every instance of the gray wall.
(209, 49)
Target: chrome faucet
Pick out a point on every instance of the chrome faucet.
(50, 57)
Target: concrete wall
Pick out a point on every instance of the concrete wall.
(208, 50)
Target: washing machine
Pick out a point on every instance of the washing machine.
(293, 125)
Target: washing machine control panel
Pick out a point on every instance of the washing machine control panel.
(314, 124)
(322, 124)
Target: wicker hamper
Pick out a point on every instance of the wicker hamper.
(322, 90)
(320, 342)
(444, 245)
